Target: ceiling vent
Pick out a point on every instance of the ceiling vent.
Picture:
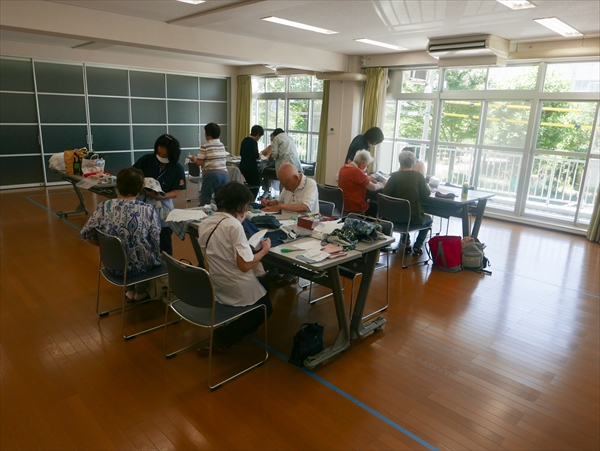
(480, 50)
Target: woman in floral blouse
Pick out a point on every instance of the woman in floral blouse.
(135, 223)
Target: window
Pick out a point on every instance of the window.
(527, 133)
(292, 103)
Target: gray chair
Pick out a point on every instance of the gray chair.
(398, 212)
(326, 208)
(196, 303)
(387, 229)
(235, 175)
(194, 178)
(332, 194)
(114, 257)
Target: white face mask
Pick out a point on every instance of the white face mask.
(162, 160)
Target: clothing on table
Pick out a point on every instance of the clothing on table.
(214, 168)
(232, 286)
(353, 181)
(171, 177)
(284, 151)
(306, 194)
(358, 143)
(136, 224)
(411, 185)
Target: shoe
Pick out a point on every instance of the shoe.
(407, 249)
(146, 297)
(285, 279)
(417, 251)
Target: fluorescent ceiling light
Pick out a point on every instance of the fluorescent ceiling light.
(380, 44)
(193, 2)
(517, 4)
(558, 26)
(302, 26)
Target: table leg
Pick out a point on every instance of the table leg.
(465, 220)
(478, 217)
(80, 208)
(342, 341)
(193, 234)
(357, 327)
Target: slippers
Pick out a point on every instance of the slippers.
(285, 279)
(146, 297)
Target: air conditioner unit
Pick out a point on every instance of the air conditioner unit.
(460, 51)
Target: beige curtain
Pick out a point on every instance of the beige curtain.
(372, 96)
(594, 229)
(323, 128)
(243, 111)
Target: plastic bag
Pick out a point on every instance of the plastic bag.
(93, 165)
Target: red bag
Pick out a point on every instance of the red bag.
(446, 252)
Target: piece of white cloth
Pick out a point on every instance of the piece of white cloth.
(306, 194)
(232, 286)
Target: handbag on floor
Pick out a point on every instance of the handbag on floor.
(446, 252)
(308, 341)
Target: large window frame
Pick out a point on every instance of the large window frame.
(432, 149)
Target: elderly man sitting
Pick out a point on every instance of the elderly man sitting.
(299, 193)
(410, 185)
(355, 183)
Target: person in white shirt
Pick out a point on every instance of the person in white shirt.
(232, 264)
(283, 150)
(212, 157)
(299, 193)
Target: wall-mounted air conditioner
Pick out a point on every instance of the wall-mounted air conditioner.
(479, 50)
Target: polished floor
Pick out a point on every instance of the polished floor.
(465, 361)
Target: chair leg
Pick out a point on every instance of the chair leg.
(125, 307)
(424, 262)
(387, 298)
(218, 385)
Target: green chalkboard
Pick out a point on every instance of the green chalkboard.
(57, 138)
(148, 111)
(107, 82)
(144, 136)
(213, 112)
(60, 78)
(108, 110)
(147, 84)
(186, 134)
(18, 108)
(182, 87)
(115, 161)
(19, 139)
(21, 170)
(57, 109)
(183, 112)
(111, 137)
(213, 89)
(16, 76)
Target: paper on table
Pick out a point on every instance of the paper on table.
(327, 226)
(88, 182)
(287, 222)
(257, 238)
(308, 244)
(186, 215)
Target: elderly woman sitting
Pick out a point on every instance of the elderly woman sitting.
(353, 180)
(410, 185)
(231, 263)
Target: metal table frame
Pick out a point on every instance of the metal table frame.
(108, 190)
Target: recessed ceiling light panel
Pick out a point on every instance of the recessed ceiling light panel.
(558, 26)
(302, 26)
(192, 2)
(517, 4)
(380, 44)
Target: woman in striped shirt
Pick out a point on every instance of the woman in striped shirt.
(211, 157)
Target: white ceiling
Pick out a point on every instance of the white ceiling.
(406, 23)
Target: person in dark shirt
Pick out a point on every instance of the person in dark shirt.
(372, 137)
(163, 165)
(410, 185)
(249, 155)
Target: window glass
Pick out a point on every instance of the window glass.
(389, 120)
(454, 164)
(573, 77)
(258, 84)
(415, 119)
(317, 85)
(596, 144)
(300, 83)
(513, 78)
(464, 79)
(420, 80)
(566, 126)
(301, 140)
(499, 174)
(506, 123)
(276, 84)
(460, 121)
(298, 118)
(316, 115)
(590, 192)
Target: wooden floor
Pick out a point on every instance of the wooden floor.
(465, 361)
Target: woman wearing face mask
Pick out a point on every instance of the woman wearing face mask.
(163, 166)
(232, 263)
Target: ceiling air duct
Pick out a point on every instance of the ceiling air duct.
(461, 51)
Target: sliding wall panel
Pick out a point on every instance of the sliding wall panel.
(48, 107)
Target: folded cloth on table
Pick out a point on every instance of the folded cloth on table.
(445, 196)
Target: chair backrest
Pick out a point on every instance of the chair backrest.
(235, 175)
(332, 194)
(308, 168)
(326, 208)
(387, 226)
(393, 209)
(112, 252)
(190, 284)
(193, 169)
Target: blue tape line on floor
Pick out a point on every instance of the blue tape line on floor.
(354, 400)
(50, 211)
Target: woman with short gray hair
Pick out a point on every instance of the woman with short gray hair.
(410, 185)
(354, 182)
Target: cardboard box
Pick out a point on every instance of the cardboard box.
(311, 221)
